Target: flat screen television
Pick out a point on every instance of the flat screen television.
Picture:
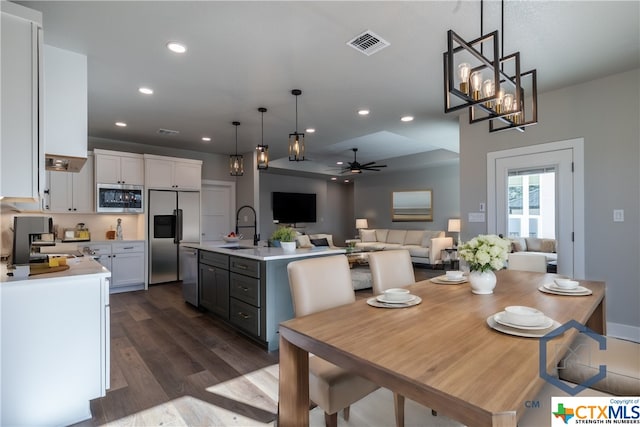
(294, 207)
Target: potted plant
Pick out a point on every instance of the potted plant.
(286, 238)
(484, 254)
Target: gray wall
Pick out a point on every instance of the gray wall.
(372, 198)
(333, 204)
(605, 112)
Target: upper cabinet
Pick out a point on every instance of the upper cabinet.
(22, 159)
(169, 173)
(70, 191)
(65, 109)
(115, 167)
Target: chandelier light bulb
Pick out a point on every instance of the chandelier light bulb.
(499, 101)
(507, 102)
(463, 74)
(488, 90)
(476, 84)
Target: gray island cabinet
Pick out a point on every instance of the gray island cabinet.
(248, 287)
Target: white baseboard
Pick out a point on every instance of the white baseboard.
(626, 332)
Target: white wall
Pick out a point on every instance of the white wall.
(605, 112)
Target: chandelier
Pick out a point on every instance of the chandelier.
(296, 139)
(236, 162)
(262, 150)
(491, 86)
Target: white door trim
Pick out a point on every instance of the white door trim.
(577, 145)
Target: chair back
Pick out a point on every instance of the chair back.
(527, 262)
(391, 269)
(319, 284)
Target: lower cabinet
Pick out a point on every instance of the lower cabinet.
(214, 283)
(125, 261)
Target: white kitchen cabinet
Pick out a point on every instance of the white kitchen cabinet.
(169, 173)
(71, 192)
(22, 159)
(125, 260)
(114, 167)
(65, 108)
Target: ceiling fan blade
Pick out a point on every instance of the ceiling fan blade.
(367, 164)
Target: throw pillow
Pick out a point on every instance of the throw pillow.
(368, 235)
(548, 245)
(381, 235)
(319, 242)
(414, 237)
(303, 241)
(519, 244)
(534, 244)
(396, 236)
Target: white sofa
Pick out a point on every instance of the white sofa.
(535, 245)
(424, 246)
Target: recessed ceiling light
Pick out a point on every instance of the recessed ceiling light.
(176, 47)
(346, 180)
(145, 90)
(333, 178)
(407, 118)
(121, 124)
(206, 138)
(339, 163)
(363, 112)
(310, 130)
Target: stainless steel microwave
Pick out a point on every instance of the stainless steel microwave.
(119, 198)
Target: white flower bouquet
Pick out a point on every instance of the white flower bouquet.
(486, 252)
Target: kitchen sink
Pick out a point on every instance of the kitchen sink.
(234, 248)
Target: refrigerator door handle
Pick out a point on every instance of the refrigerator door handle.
(179, 225)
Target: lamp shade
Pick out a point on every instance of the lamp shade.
(361, 223)
(454, 225)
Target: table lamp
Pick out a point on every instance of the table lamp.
(454, 227)
(360, 224)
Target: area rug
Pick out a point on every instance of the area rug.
(257, 392)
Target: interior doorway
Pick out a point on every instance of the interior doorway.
(538, 191)
(218, 209)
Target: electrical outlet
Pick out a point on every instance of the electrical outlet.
(618, 215)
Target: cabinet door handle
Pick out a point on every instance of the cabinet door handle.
(128, 247)
(212, 269)
(244, 288)
(244, 315)
(240, 266)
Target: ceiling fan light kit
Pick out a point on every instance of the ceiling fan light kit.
(296, 139)
(262, 150)
(236, 161)
(492, 87)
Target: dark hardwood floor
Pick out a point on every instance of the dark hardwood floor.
(163, 348)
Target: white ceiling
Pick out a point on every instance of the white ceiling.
(244, 55)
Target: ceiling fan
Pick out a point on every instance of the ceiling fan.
(355, 167)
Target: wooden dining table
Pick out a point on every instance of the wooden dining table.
(441, 353)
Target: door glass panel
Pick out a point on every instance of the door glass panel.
(532, 203)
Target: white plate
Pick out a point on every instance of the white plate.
(444, 281)
(566, 294)
(410, 298)
(499, 317)
(373, 301)
(556, 288)
(520, 332)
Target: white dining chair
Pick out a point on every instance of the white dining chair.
(391, 269)
(319, 284)
(527, 262)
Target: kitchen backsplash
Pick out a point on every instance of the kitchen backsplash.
(133, 226)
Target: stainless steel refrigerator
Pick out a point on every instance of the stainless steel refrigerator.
(174, 218)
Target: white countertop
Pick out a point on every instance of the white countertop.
(77, 267)
(262, 253)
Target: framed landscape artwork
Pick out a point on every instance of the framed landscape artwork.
(411, 206)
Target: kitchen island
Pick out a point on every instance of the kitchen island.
(248, 286)
(55, 344)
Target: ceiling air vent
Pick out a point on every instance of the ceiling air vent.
(168, 132)
(368, 43)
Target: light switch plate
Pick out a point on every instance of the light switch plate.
(618, 215)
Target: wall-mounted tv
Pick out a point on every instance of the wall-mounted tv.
(293, 207)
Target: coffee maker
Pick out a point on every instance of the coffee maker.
(26, 230)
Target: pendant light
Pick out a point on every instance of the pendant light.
(236, 162)
(296, 139)
(262, 150)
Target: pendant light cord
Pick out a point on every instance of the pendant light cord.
(296, 113)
